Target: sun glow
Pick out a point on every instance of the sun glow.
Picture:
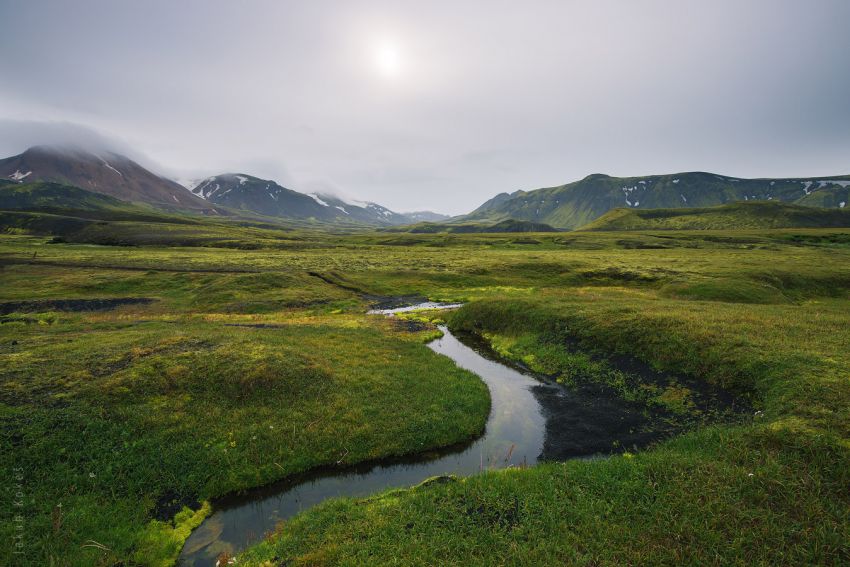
(387, 59)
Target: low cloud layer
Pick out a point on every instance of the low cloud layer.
(436, 105)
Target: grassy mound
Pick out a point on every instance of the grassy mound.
(734, 216)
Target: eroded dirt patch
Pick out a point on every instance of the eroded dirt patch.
(100, 304)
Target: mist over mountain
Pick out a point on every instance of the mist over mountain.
(104, 172)
(118, 176)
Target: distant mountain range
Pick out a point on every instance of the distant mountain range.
(565, 207)
(426, 216)
(509, 225)
(246, 192)
(117, 176)
(576, 204)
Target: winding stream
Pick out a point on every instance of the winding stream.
(514, 435)
(530, 420)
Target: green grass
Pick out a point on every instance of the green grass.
(148, 398)
(773, 491)
(109, 414)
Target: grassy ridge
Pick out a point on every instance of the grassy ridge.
(734, 216)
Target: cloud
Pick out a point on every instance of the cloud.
(489, 97)
(18, 135)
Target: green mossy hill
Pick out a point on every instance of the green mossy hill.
(581, 202)
(741, 215)
(66, 199)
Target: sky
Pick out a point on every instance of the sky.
(434, 105)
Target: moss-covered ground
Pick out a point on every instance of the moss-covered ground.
(123, 416)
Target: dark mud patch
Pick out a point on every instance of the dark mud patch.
(586, 417)
(410, 326)
(393, 301)
(170, 503)
(179, 270)
(104, 304)
(587, 421)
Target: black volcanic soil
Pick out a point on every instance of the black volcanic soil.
(104, 304)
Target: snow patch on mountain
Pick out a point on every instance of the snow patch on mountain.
(110, 167)
(355, 203)
(317, 199)
(18, 176)
(828, 182)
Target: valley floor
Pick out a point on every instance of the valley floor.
(250, 365)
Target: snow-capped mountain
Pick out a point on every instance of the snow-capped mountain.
(266, 197)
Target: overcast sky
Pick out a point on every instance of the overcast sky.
(434, 105)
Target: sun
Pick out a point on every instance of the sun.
(387, 59)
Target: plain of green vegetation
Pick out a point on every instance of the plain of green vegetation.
(122, 417)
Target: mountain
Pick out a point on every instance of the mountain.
(733, 216)
(425, 216)
(263, 196)
(576, 204)
(105, 172)
(508, 225)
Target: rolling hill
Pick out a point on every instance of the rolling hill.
(733, 216)
(576, 204)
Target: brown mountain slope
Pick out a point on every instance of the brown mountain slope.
(105, 172)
